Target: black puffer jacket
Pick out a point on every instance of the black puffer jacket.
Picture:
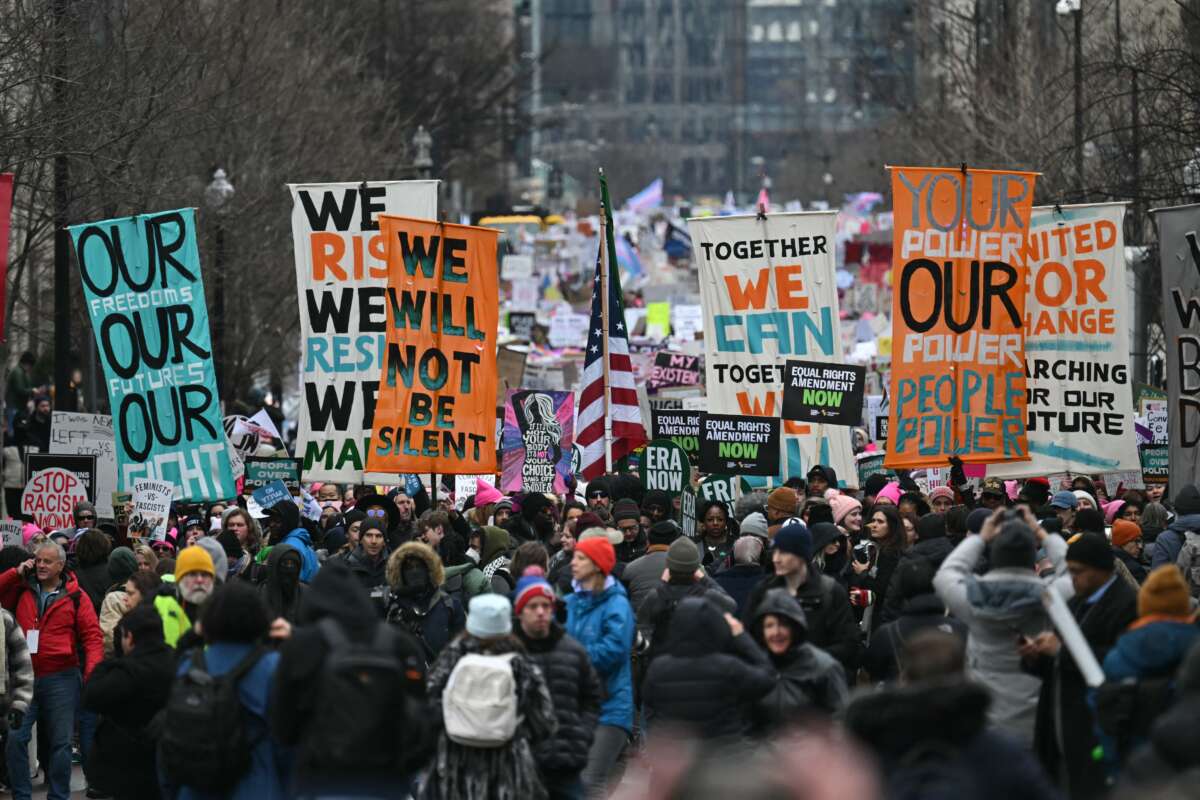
(920, 613)
(706, 679)
(655, 611)
(831, 624)
(932, 550)
(372, 576)
(127, 692)
(575, 689)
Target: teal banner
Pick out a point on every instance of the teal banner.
(145, 296)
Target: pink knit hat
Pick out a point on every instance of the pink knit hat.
(485, 493)
(891, 493)
(28, 532)
(1111, 510)
(842, 505)
(941, 491)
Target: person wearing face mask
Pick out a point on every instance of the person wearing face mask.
(368, 561)
(811, 682)
(418, 604)
(282, 591)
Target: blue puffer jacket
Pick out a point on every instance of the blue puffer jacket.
(603, 623)
(1150, 651)
(1168, 543)
(309, 564)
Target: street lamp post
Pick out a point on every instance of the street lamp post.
(1075, 8)
(217, 195)
(422, 143)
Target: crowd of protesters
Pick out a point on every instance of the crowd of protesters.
(360, 644)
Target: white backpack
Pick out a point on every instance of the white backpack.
(479, 704)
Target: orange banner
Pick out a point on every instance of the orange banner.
(958, 310)
(436, 408)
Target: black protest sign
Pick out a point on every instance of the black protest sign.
(664, 466)
(261, 471)
(825, 394)
(731, 444)
(521, 324)
(1155, 463)
(687, 512)
(681, 427)
(675, 369)
(83, 466)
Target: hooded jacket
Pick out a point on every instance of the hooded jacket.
(335, 594)
(603, 623)
(920, 613)
(938, 733)
(281, 597)
(705, 679)
(575, 689)
(371, 573)
(934, 550)
(831, 624)
(809, 679)
(430, 615)
(659, 606)
(997, 608)
(494, 557)
(829, 473)
(1168, 543)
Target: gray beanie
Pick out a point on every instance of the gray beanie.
(754, 525)
(489, 615)
(683, 556)
(219, 559)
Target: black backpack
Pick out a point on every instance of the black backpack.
(204, 742)
(362, 696)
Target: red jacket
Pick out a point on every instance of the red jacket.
(69, 619)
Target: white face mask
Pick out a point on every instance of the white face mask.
(473, 554)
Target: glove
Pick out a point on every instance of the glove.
(15, 718)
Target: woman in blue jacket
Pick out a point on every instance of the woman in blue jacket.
(600, 618)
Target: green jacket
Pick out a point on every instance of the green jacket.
(469, 578)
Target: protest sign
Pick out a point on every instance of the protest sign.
(827, 393)
(90, 435)
(687, 512)
(50, 496)
(769, 293)
(10, 533)
(869, 464)
(675, 369)
(1155, 412)
(958, 314)
(875, 414)
(464, 487)
(537, 442)
(151, 509)
(686, 321)
(521, 323)
(122, 503)
(1126, 479)
(1077, 318)
(83, 465)
(525, 294)
(741, 445)
(1178, 229)
(1156, 463)
(436, 408)
(658, 320)
(514, 267)
(342, 278)
(145, 296)
(568, 329)
(510, 372)
(724, 488)
(261, 471)
(271, 494)
(665, 467)
(680, 427)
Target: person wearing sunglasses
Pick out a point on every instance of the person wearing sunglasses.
(85, 515)
(598, 494)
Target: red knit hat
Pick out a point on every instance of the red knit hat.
(600, 552)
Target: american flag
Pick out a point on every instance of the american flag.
(627, 431)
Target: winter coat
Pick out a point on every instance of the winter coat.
(809, 680)
(112, 608)
(716, 557)
(371, 575)
(660, 604)
(93, 580)
(997, 608)
(1170, 762)
(559, 574)
(932, 550)
(831, 624)
(265, 780)
(628, 552)
(933, 740)
(1137, 570)
(1064, 736)
(705, 679)
(465, 581)
(878, 579)
(738, 581)
(921, 613)
(643, 574)
(493, 773)
(1189, 561)
(127, 692)
(432, 616)
(337, 595)
(603, 623)
(575, 690)
(1168, 544)
(70, 632)
(1153, 647)
(16, 679)
(309, 563)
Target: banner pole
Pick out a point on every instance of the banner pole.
(604, 336)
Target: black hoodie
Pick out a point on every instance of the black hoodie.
(282, 597)
(333, 594)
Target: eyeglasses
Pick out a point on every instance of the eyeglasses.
(377, 513)
(629, 528)
(86, 515)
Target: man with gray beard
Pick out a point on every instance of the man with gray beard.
(195, 578)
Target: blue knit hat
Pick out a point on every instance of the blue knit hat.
(794, 538)
(489, 615)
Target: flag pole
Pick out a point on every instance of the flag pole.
(604, 324)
